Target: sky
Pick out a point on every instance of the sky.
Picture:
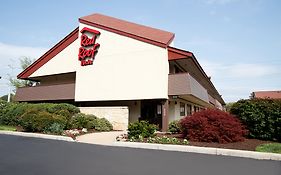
(237, 42)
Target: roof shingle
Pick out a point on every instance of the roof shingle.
(136, 31)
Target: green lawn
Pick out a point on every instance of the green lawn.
(270, 148)
(7, 128)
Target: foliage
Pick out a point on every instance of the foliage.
(5, 97)
(270, 147)
(34, 120)
(7, 128)
(42, 116)
(174, 127)
(160, 140)
(212, 125)
(24, 63)
(11, 113)
(261, 116)
(81, 120)
(141, 129)
(167, 140)
(228, 106)
(55, 128)
(103, 124)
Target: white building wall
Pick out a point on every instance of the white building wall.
(63, 62)
(123, 69)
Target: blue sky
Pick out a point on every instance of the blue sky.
(237, 42)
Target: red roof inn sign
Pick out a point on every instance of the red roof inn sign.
(88, 46)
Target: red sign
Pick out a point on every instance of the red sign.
(89, 47)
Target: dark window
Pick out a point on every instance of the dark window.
(188, 109)
(182, 109)
(159, 109)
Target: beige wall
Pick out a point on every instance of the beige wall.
(124, 69)
(174, 109)
(63, 62)
(118, 116)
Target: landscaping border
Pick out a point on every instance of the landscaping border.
(37, 135)
(202, 150)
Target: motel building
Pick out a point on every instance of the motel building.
(122, 71)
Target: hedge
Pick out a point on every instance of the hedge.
(261, 116)
(49, 117)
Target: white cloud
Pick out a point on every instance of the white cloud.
(238, 70)
(8, 51)
(238, 80)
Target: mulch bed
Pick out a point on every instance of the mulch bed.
(247, 144)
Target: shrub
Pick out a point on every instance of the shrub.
(55, 128)
(212, 125)
(141, 129)
(35, 120)
(103, 124)
(11, 114)
(174, 127)
(81, 120)
(261, 116)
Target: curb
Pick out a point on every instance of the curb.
(202, 150)
(36, 135)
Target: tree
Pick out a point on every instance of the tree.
(24, 63)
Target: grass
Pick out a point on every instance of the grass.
(270, 148)
(7, 128)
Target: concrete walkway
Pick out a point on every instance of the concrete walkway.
(101, 138)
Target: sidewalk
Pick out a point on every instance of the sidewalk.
(101, 138)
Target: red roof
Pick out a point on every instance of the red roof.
(175, 53)
(140, 32)
(268, 94)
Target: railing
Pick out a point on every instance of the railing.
(47, 92)
(185, 84)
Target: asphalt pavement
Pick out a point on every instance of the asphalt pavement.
(35, 156)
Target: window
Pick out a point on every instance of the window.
(182, 109)
(159, 109)
(188, 109)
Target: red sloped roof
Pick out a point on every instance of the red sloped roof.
(175, 53)
(140, 32)
(268, 94)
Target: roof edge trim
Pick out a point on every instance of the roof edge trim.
(153, 42)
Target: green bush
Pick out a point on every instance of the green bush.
(81, 120)
(11, 114)
(174, 127)
(35, 120)
(55, 128)
(141, 129)
(103, 124)
(261, 116)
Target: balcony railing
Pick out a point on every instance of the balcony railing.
(185, 84)
(45, 93)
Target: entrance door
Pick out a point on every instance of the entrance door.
(151, 110)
